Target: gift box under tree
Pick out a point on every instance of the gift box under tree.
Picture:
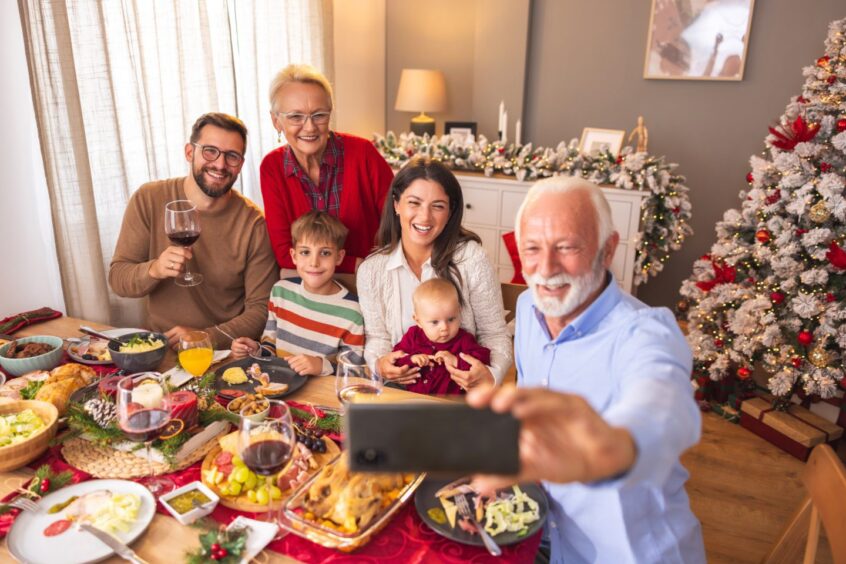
(795, 429)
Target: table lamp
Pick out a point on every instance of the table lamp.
(421, 90)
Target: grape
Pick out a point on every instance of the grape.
(275, 492)
(241, 474)
(261, 496)
(251, 481)
(251, 495)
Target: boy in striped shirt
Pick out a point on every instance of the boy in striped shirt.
(311, 318)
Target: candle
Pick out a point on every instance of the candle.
(517, 131)
(499, 124)
(148, 395)
(504, 137)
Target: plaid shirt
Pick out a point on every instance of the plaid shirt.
(326, 195)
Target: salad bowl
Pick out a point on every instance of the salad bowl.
(23, 450)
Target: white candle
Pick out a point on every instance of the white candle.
(504, 127)
(499, 123)
(517, 128)
(148, 395)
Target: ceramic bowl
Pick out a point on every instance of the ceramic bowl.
(138, 361)
(46, 361)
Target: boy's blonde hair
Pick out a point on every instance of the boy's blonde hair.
(319, 227)
(439, 289)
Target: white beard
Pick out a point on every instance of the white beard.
(581, 287)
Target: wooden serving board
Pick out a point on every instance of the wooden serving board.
(241, 502)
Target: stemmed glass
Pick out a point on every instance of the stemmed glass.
(182, 225)
(266, 444)
(144, 410)
(195, 352)
(355, 382)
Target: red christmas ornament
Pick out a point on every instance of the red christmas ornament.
(743, 373)
(774, 197)
(763, 236)
(718, 343)
(797, 362)
(800, 232)
(836, 256)
(829, 297)
(45, 485)
(805, 338)
(501, 150)
(825, 167)
(750, 280)
(223, 552)
(823, 61)
(619, 159)
(699, 395)
(801, 100)
(786, 138)
(841, 124)
(749, 177)
(831, 79)
(776, 297)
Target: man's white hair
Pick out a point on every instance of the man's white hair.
(564, 185)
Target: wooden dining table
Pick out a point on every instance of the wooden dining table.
(165, 540)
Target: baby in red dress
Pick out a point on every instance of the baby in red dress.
(437, 339)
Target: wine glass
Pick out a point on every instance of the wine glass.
(266, 445)
(195, 352)
(143, 410)
(355, 382)
(182, 225)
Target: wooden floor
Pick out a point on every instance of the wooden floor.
(743, 490)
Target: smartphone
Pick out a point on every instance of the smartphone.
(446, 439)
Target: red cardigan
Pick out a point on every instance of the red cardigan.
(367, 178)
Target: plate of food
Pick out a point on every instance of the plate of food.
(51, 536)
(340, 509)
(270, 378)
(514, 515)
(239, 488)
(91, 351)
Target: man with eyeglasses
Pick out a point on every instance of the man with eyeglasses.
(233, 251)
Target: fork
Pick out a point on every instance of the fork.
(464, 510)
(24, 504)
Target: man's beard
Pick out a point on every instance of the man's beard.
(580, 289)
(199, 178)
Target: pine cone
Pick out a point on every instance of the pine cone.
(101, 411)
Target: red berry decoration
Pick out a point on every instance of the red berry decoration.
(776, 297)
(718, 343)
(805, 337)
(223, 552)
(823, 61)
(841, 124)
(800, 232)
(797, 362)
(215, 547)
(825, 167)
(749, 177)
(829, 297)
(743, 373)
(45, 485)
(763, 236)
(831, 79)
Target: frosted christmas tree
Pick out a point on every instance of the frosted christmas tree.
(772, 291)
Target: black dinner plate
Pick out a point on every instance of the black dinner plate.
(277, 368)
(424, 499)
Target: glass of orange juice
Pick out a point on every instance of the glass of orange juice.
(195, 352)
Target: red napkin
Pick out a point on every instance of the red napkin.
(18, 321)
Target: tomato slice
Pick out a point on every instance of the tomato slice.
(57, 528)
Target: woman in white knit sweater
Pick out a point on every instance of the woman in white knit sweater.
(420, 237)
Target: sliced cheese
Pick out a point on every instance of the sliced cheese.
(450, 509)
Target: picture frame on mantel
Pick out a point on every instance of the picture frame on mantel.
(698, 40)
(465, 130)
(594, 140)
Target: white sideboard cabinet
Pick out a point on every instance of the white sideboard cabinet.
(491, 203)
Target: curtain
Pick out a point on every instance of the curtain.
(117, 85)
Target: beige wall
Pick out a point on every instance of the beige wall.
(585, 69)
(480, 45)
(359, 37)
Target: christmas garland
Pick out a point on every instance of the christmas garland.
(665, 214)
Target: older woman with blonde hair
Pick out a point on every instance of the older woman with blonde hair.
(319, 169)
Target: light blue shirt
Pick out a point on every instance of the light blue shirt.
(632, 364)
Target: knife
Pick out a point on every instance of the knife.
(121, 549)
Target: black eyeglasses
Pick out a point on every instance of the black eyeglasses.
(211, 153)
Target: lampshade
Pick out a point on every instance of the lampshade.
(421, 90)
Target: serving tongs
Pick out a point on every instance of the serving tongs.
(95, 333)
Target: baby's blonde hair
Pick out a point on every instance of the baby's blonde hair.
(439, 289)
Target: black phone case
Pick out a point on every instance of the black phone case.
(444, 439)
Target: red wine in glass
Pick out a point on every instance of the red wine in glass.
(145, 424)
(266, 457)
(184, 238)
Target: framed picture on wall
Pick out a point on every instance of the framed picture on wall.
(465, 130)
(595, 141)
(698, 39)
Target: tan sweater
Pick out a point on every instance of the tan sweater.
(233, 253)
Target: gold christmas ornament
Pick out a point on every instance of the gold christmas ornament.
(819, 357)
(819, 212)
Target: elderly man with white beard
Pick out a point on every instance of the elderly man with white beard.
(604, 396)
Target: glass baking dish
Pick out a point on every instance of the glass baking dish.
(294, 519)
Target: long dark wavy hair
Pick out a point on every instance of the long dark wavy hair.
(453, 235)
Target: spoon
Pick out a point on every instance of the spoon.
(93, 333)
